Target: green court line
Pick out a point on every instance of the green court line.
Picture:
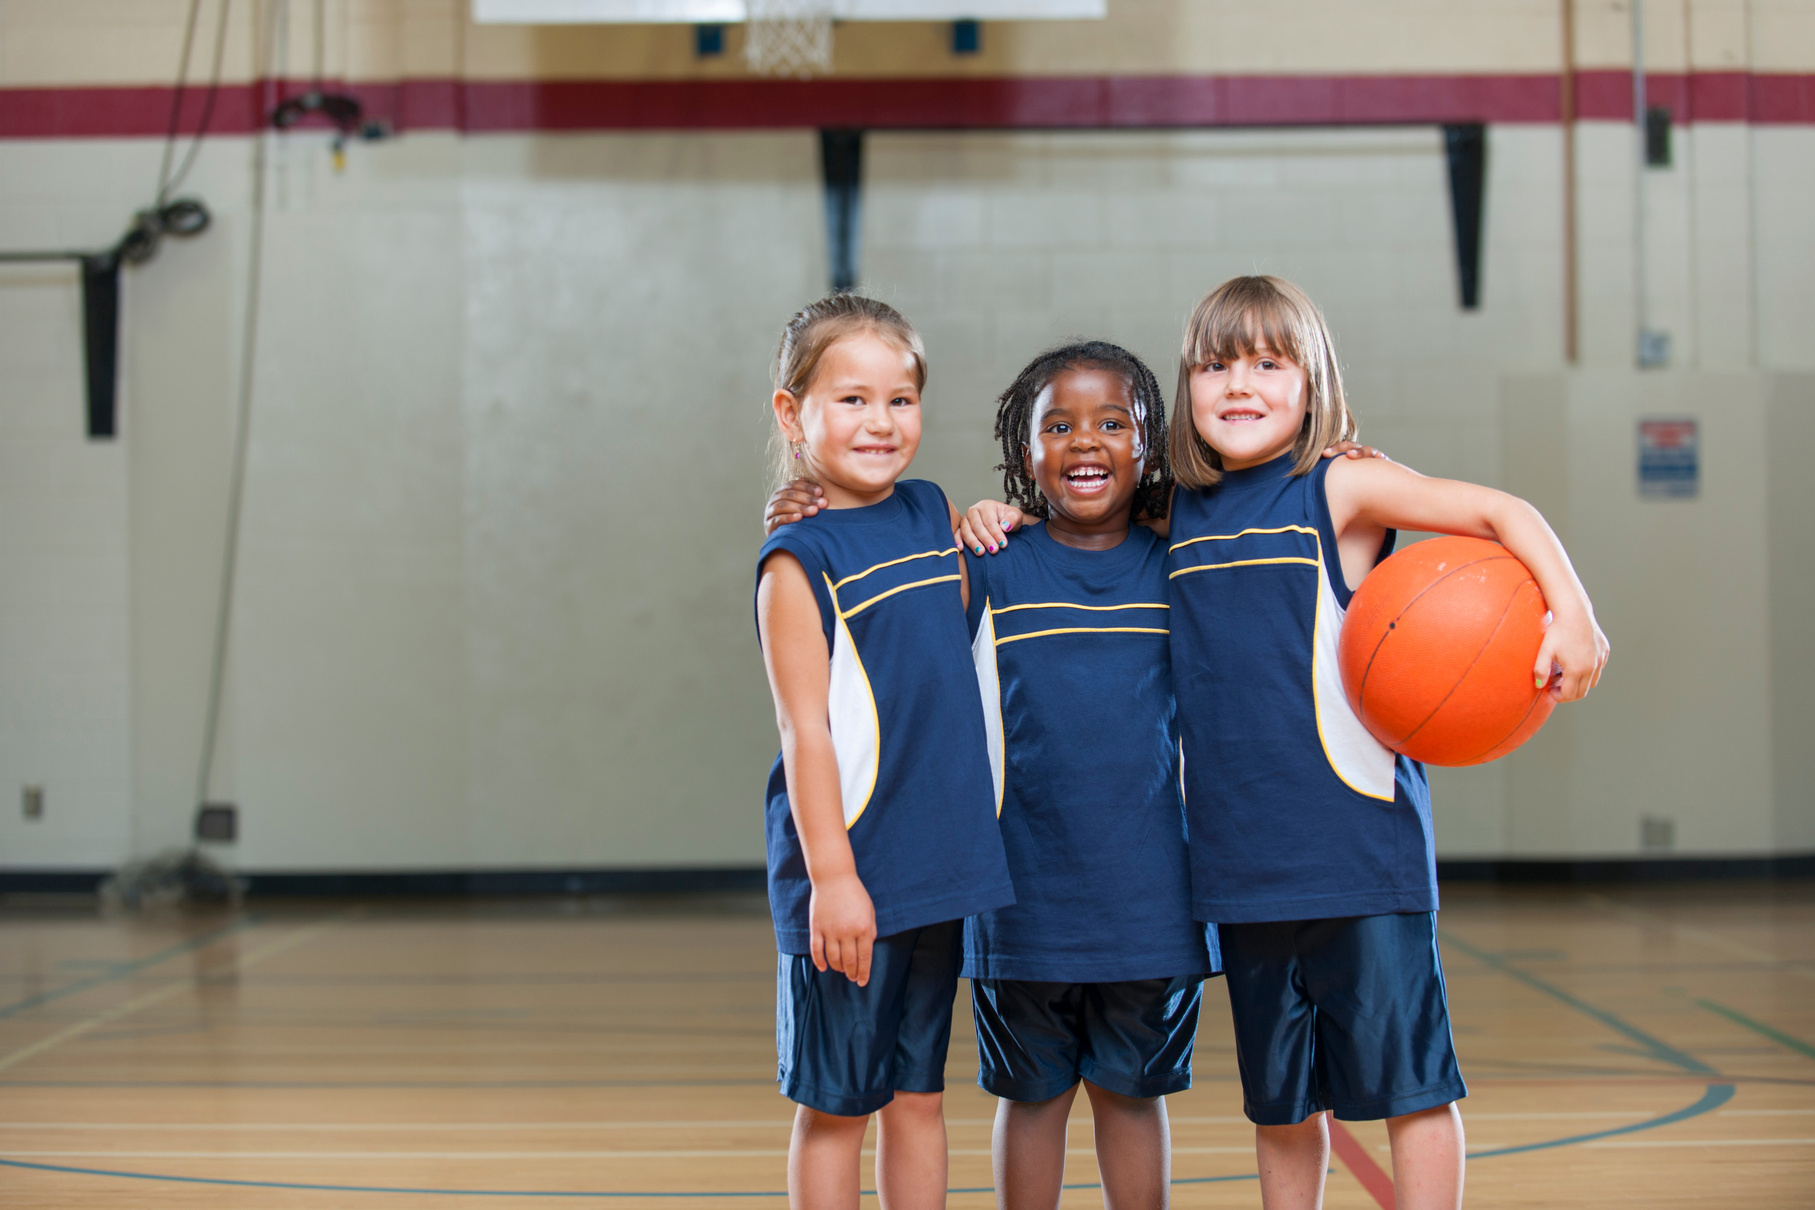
(1759, 1027)
(118, 971)
(1656, 1047)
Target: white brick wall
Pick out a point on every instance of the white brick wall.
(507, 449)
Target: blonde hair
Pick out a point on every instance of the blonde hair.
(813, 330)
(1236, 318)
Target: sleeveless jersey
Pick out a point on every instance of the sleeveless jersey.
(1295, 811)
(906, 719)
(1071, 652)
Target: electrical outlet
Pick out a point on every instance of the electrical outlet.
(31, 802)
(217, 821)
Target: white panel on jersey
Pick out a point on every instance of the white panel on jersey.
(856, 735)
(715, 12)
(1357, 757)
(983, 653)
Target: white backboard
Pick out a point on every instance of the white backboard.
(713, 12)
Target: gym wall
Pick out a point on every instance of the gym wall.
(493, 598)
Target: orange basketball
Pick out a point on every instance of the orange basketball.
(1437, 652)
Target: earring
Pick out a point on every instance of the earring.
(796, 446)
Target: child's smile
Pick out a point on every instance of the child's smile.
(859, 422)
(1088, 478)
(1086, 456)
(1250, 407)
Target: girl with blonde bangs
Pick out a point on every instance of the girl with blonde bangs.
(1239, 316)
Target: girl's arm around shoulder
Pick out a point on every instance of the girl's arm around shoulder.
(964, 571)
(1369, 496)
(840, 915)
(987, 522)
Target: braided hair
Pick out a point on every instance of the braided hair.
(1015, 415)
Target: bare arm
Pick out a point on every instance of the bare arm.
(987, 522)
(964, 571)
(1368, 497)
(841, 917)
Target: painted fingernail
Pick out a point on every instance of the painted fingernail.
(979, 550)
(1539, 680)
(992, 548)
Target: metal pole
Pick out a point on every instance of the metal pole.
(1639, 301)
(1567, 103)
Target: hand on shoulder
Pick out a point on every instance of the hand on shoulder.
(790, 502)
(985, 525)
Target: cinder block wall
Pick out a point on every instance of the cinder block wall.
(505, 454)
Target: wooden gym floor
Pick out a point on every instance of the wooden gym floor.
(1649, 1048)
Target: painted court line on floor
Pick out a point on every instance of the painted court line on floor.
(119, 970)
(1656, 1047)
(1706, 1143)
(547, 1193)
(1361, 1165)
(1701, 936)
(547, 1154)
(1760, 1028)
(1348, 1148)
(776, 1124)
(271, 949)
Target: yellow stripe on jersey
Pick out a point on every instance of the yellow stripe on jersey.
(854, 610)
(1016, 638)
(925, 554)
(1064, 605)
(1278, 529)
(1243, 563)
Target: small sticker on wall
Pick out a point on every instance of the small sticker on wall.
(1669, 458)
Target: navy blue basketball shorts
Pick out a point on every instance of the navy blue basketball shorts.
(1348, 1015)
(1133, 1037)
(847, 1050)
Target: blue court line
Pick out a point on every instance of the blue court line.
(117, 971)
(372, 1084)
(1656, 1047)
(1716, 1096)
(566, 1193)
(217, 1180)
(1713, 1098)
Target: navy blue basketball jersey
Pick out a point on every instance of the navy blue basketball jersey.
(906, 718)
(1295, 811)
(1070, 648)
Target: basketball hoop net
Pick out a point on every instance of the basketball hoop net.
(788, 37)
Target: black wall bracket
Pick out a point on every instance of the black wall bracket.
(184, 217)
(1465, 146)
(101, 341)
(841, 164)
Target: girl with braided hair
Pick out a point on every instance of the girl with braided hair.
(1095, 973)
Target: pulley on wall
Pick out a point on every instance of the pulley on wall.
(341, 109)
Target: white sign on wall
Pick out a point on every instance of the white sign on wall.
(1670, 457)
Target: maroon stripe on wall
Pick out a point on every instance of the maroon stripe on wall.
(955, 103)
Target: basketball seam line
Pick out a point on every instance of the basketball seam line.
(1534, 705)
(1505, 609)
(1362, 689)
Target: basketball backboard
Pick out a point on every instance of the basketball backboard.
(705, 12)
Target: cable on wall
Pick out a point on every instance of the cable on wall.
(242, 423)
